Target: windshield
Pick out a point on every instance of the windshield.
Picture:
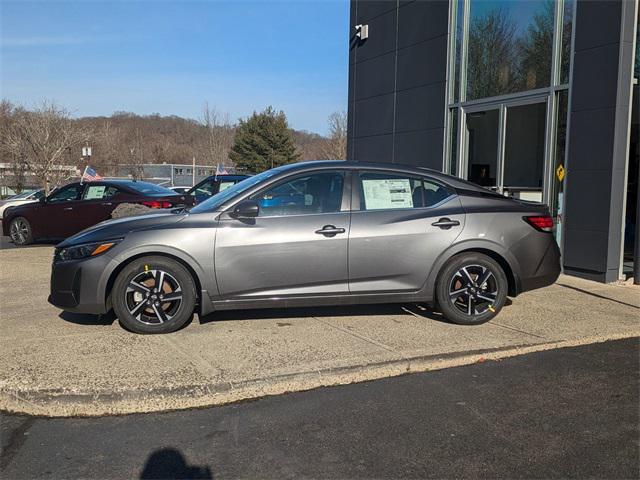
(150, 188)
(211, 204)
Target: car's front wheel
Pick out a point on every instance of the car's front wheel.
(20, 231)
(154, 295)
(471, 289)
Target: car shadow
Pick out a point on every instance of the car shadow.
(414, 309)
(88, 319)
(169, 463)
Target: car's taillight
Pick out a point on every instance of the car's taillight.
(544, 223)
(157, 204)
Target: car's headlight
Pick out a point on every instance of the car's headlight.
(86, 250)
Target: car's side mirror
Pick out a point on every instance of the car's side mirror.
(246, 209)
(42, 200)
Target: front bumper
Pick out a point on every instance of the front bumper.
(79, 286)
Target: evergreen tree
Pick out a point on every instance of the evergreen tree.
(263, 141)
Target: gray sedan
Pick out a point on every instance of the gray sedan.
(311, 234)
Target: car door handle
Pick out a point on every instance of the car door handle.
(68, 208)
(108, 204)
(446, 223)
(330, 231)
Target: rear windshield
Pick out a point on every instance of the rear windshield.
(147, 188)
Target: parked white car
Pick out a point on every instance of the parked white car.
(20, 199)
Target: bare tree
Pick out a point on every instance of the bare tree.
(220, 134)
(336, 145)
(42, 138)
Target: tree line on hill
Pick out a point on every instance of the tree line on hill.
(37, 140)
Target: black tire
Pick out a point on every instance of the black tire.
(462, 298)
(20, 231)
(140, 306)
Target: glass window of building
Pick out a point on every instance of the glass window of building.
(565, 40)
(509, 46)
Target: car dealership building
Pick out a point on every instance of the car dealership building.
(536, 99)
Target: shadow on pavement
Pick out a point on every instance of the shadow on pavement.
(417, 310)
(170, 463)
(587, 292)
(87, 319)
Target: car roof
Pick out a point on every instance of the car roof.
(231, 177)
(451, 180)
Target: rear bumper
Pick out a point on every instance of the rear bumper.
(546, 272)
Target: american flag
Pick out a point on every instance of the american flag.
(90, 175)
(220, 170)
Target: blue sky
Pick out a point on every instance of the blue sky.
(170, 57)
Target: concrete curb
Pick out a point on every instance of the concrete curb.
(63, 403)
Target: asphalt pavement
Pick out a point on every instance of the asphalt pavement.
(566, 413)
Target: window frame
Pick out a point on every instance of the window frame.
(356, 204)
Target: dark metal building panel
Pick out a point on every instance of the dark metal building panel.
(374, 116)
(368, 9)
(397, 76)
(409, 114)
(420, 21)
(382, 36)
(423, 63)
(378, 148)
(375, 76)
(422, 148)
(598, 138)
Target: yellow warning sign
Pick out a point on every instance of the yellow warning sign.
(560, 172)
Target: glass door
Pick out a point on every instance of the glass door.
(482, 147)
(524, 151)
(504, 147)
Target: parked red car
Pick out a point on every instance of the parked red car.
(77, 206)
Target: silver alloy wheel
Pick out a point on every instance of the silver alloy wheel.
(473, 289)
(153, 297)
(19, 231)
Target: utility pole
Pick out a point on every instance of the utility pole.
(193, 173)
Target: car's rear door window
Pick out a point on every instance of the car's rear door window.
(312, 193)
(391, 191)
(99, 192)
(224, 184)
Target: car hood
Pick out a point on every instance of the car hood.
(118, 228)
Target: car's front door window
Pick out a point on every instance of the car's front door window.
(66, 194)
(313, 193)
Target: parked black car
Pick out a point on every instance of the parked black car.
(214, 184)
(77, 206)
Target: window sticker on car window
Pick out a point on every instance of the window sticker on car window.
(95, 191)
(225, 185)
(387, 193)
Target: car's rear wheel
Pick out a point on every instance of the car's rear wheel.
(471, 289)
(20, 231)
(154, 295)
